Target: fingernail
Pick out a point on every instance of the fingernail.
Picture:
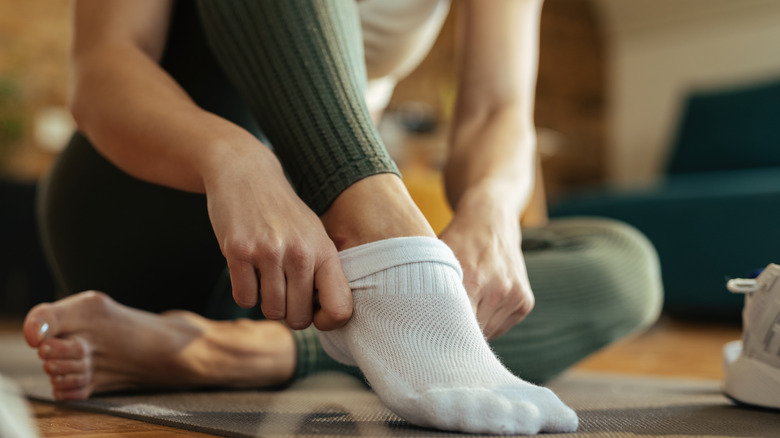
(46, 350)
(43, 328)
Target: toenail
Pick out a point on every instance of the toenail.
(43, 328)
(46, 350)
(59, 379)
(53, 368)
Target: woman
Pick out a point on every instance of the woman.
(323, 225)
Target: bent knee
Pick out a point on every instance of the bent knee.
(615, 267)
(631, 272)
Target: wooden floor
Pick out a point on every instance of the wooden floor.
(671, 348)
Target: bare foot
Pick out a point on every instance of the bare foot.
(90, 344)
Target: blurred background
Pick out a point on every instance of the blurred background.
(657, 112)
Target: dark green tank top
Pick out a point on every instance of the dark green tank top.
(189, 60)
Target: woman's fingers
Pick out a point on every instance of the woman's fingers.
(494, 321)
(244, 281)
(273, 289)
(334, 293)
(494, 306)
(502, 317)
(510, 322)
(279, 253)
(288, 282)
(505, 295)
(299, 270)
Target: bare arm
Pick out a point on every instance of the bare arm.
(489, 174)
(493, 137)
(132, 110)
(144, 122)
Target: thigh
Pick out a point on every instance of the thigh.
(145, 245)
(595, 281)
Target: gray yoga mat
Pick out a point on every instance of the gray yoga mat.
(336, 405)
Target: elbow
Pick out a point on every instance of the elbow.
(76, 97)
(473, 119)
(79, 107)
(485, 107)
(76, 110)
(82, 82)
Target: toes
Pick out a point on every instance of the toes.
(49, 320)
(36, 326)
(69, 382)
(506, 417)
(552, 414)
(526, 418)
(54, 367)
(557, 417)
(477, 410)
(564, 421)
(65, 348)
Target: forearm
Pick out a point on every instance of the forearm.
(493, 141)
(488, 179)
(145, 123)
(491, 161)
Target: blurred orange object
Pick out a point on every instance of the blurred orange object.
(427, 189)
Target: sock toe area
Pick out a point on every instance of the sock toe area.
(472, 410)
(557, 417)
(562, 420)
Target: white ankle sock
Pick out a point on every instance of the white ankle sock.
(416, 339)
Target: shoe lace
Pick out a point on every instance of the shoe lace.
(742, 285)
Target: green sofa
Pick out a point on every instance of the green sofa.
(716, 213)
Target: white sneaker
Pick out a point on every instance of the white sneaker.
(753, 365)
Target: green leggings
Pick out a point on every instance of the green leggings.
(292, 73)
(595, 281)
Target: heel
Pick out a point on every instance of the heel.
(335, 350)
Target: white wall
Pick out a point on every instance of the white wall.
(658, 50)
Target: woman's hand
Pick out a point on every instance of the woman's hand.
(486, 241)
(273, 241)
(490, 169)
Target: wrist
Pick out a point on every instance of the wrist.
(481, 222)
(233, 154)
(490, 200)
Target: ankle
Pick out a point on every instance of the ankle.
(375, 208)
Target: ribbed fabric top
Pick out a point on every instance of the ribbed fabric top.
(385, 254)
(300, 67)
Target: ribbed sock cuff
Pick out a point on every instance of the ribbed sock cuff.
(370, 258)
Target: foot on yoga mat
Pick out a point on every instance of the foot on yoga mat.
(415, 337)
